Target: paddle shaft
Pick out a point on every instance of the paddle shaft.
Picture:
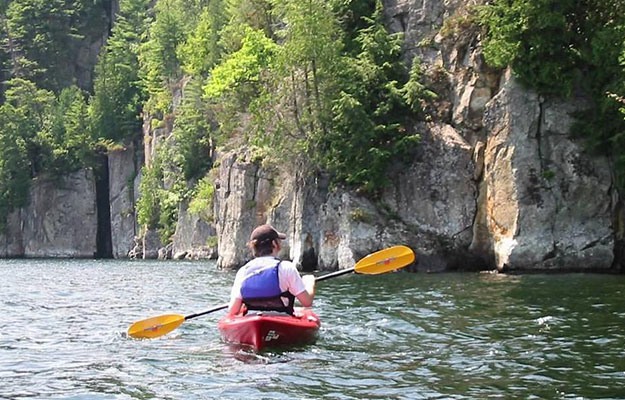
(216, 308)
(334, 274)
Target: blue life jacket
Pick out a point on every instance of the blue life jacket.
(261, 291)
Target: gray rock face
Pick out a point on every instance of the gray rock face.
(194, 238)
(435, 194)
(330, 230)
(11, 241)
(243, 200)
(61, 217)
(122, 173)
(147, 246)
(543, 204)
(424, 206)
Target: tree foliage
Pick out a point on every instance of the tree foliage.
(369, 116)
(539, 39)
(203, 50)
(556, 47)
(242, 70)
(42, 36)
(17, 133)
(160, 66)
(193, 133)
(67, 142)
(115, 107)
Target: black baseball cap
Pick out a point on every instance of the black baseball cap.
(265, 233)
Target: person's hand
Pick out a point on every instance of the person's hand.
(309, 284)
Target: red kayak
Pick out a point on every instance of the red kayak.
(269, 329)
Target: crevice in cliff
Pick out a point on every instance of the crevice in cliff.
(256, 182)
(618, 214)
(542, 147)
(104, 243)
(544, 167)
(538, 136)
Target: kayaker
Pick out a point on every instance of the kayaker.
(267, 283)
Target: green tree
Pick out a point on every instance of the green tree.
(202, 200)
(42, 37)
(240, 80)
(536, 39)
(243, 14)
(310, 60)
(202, 50)
(192, 133)
(15, 164)
(32, 108)
(161, 191)
(242, 71)
(160, 67)
(353, 16)
(371, 112)
(66, 139)
(147, 204)
(115, 107)
(549, 43)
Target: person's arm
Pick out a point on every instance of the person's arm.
(306, 297)
(235, 306)
(236, 302)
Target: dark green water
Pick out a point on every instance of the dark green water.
(393, 336)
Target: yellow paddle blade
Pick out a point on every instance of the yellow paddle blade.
(385, 260)
(155, 326)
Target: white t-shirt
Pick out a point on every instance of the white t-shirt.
(288, 276)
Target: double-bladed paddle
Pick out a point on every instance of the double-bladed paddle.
(382, 261)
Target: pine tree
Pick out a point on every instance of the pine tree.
(115, 107)
(160, 68)
(202, 50)
(372, 110)
(42, 37)
(192, 133)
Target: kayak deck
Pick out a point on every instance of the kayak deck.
(270, 330)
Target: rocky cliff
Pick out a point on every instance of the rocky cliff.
(124, 166)
(498, 181)
(60, 220)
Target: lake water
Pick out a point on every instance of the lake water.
(392, 336)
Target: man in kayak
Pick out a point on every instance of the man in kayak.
(267, 283)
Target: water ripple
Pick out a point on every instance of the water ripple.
(395, 336)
